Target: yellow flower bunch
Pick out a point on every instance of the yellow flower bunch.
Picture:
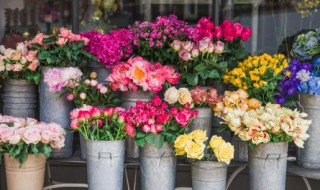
(192, 145)
(306, 7)
(235, 100)
(259, 75)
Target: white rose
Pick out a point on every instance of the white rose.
(171, 95)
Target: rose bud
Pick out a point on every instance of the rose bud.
(74, 124)
(103, 90)
(83, 96)
(70, 97)
(87, 82)
(93, 75)
(99, 86)
(93, 83)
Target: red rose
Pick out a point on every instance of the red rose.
(163, 118)
(156, 101)
(218, 32)
(130, 130)
(246, 34)
(237, 28)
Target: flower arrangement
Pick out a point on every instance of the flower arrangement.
(112, 48)
(210, 50)
(99, 124)
(20, 137)
(235, 100)
(62, 50)
(154, 123)
(306, 45)
(197, 97)
(259, 76)
(192, 146)
(152, 39)
(19, 63)
(138, 72)
(270, 123)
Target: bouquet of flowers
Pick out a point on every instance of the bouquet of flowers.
(20, 137)
(209, 50)
(137, 72)
(19, 63)
(306, 45)
(271, 123)
(62, 50)
(259, 76)
(153, 122)
(152, 39)
(99, 124)
(197, 97)
(110, 48)
(192, 146)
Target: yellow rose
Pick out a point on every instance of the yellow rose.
(180, 151)
(216, 142)
(181, 142)
(254, 103)
(185, 97)
(171, 95)
(224, 153)
(195, 150)
(198, 135)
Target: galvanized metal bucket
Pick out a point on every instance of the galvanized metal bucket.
(83, 147)
(129, 99)
(53, 109)
(158, 167)
(29, 175)
(240, 149)
(209, 175)
(20, 98)
(100, 69)
(105, 164)
(203, 122)
(268, 166)
(216, 129)
(309, 156)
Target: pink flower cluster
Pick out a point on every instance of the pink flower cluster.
(110, 48)
(58, 78)
(95, 115)
(30, 131)
(19, 59)
(150, 117)
(227, 31)
(204, 97)
(137, 72)
(189, 50)
(158, 32)
(63, 37)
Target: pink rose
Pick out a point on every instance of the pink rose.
(58, 143)
(32, 135)
(219, 47)
(188, 45)
(65, 32)
(237, 28)
(61, 41)
(205, 23)
(211, 47)
(46, 136)
(34, 65)
(226, 24)
(31, 56)
(159, 128)
(16, 67)
(174, 111)
(199, 96)
(23, 60)
(176, 45)
(184, 55)
(195, 52)
(204, 45)
(74, 38)
(14, 138)
(156, 101)
(130, 130)
(93, 83)
(70, 97)
(104, 90)
(146, 128)
(85, 41)
(163, 118)
(181, 119)
(246, 34)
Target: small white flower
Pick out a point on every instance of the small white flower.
(303, 75)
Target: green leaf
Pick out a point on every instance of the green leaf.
(222, 65)
(200, 67)
(141, 134)
(34, 150)
(192, 79)
(43, 55)
(140, 142)
(159, 141)
(214, 74)
(46, 150)
(275, 139)
(49, 40)
(174, 127)
(150, 138)
(204, 74)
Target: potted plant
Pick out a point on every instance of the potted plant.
(110, 49)
(26, 144)
(209, 171)
(155, 127)
(268, 129)
(64, 49)
(104, 133)
(20, 69)
(138, 79)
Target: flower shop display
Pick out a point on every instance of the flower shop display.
(209, 171)
(306, 78)
(210, 50)
(155, 127)
(20, 69)
(268, 129)
(104, 132)
(201, 99)
(110, 49)
(56, 107)
(236, 100)
(26, 144)
(259, 76)
(138, 79)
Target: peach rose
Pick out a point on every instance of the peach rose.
(254, 103)
(16, 55)
(65, 32)
(31, 55)
(33, 66)
(61, 41)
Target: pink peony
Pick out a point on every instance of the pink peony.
(95, 112)
(53, 78)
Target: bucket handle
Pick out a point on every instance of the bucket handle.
(105, 155)
(277, 156)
